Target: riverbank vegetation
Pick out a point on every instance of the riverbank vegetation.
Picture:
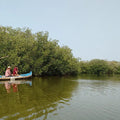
(36, 52)
(98, 66)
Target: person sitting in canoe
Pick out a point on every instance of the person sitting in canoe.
(15, 71)
(8, 72)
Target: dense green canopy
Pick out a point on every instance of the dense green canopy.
(34, 52)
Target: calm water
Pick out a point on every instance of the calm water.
(65, 98)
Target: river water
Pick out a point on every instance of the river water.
(61, 98)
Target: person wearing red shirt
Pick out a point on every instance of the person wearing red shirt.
(15, 71)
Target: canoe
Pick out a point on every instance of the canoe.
(21, 76)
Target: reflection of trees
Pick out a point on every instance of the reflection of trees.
(44, 97)
(47, 95)
(99, 84)
(99, 77)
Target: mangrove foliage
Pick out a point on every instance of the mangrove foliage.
(37, 53)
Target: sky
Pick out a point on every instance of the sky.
(91, 28)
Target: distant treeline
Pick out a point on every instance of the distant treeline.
(37, 53)
(97, 66)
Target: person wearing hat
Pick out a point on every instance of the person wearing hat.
(8, 72)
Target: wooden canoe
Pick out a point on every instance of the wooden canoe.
(21, 76)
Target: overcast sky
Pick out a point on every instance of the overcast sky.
(91, 28)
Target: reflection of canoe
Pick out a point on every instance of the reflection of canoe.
(21, 76)
(23, 81)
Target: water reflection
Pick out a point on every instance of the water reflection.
(46, 96)
(56, 98)
(9, 85)
(14, 85)
(50, 95)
